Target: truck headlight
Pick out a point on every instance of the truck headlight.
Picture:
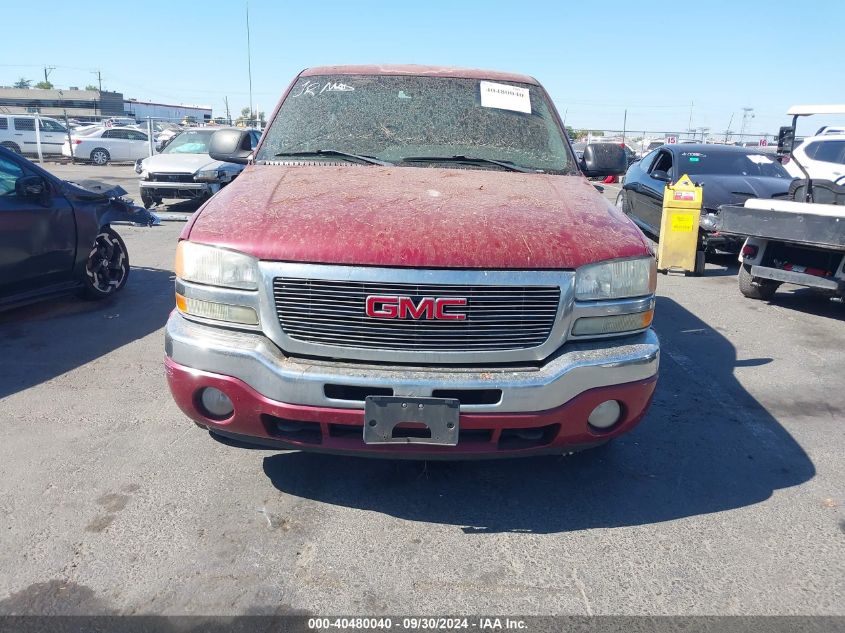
(616, 279)
(214, 266)
(614, 297)
(208, 175)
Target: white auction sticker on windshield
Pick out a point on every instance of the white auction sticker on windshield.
(505, 97)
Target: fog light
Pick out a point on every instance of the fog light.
(216, 404)
(216, 311)
(605, 415)
(614, 324)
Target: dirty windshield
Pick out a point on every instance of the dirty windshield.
(393, 118)
(190, 142)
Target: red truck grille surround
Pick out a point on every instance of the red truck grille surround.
(329, 312)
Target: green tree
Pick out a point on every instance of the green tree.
(44, 85)
(570, 132)
(579, 134)
(91, 87)
(249, 119)
(23, 83)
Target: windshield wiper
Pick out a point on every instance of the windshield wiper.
(473, 160)
(333, 152)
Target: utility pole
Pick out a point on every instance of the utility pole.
(689, 125)
(67, 127)
(249, 62)
(228, 116)
(624, 125)
(728, 130)
(99, 78)
(47, 71)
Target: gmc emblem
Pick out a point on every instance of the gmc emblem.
(428, 308)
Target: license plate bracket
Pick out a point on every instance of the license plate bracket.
(382, 414)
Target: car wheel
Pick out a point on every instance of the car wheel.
(100, 156)
(700, 260)
(12, 147)
(107, 266)
(754, 287)
(622, 203)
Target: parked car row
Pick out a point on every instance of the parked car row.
(120, 138)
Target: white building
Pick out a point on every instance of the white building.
(140, 110)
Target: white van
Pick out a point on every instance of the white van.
(17, 133)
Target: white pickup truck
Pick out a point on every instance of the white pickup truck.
(799, 240)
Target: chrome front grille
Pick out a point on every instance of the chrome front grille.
(333, 313)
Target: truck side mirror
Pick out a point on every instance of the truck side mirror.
(603, 159)
(786, 139)
(659, 174)
(231, 146)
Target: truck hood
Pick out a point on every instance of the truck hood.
(179, 163)
(721, 189)
(416, 217)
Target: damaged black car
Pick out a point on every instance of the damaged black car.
(56, 236)
(728, 174)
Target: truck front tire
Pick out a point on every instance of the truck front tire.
(754, 287)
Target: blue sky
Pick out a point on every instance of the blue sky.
(594, 58)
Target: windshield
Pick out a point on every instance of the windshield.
(190, 142)
(730, 164)
(396, 117)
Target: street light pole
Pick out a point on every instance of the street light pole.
(747, 113)
(624, 125)
(249, 63)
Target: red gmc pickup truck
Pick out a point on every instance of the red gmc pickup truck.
(413, 264)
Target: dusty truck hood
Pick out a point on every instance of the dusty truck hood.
(415, 216)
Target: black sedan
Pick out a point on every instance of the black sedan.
(729, 174)
(55, 235)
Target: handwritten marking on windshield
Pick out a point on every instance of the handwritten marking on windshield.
(311, 88)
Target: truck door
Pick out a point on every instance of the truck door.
(37, 235)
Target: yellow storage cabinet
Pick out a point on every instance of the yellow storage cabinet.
(677, 249)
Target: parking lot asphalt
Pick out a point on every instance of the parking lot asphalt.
(727, 499)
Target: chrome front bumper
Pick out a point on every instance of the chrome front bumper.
(257, 361)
